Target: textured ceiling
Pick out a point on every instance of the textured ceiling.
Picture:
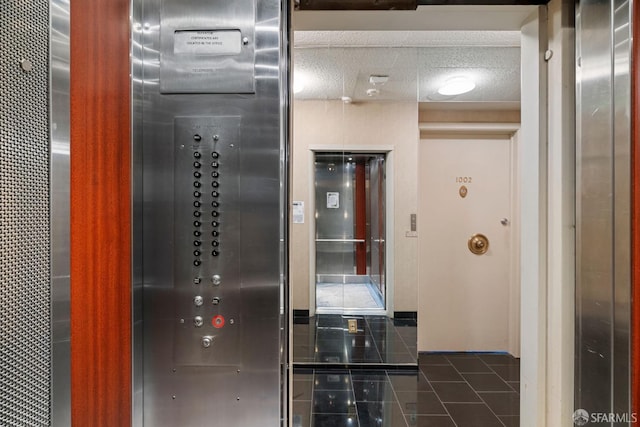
(406, 38)
(336, 64)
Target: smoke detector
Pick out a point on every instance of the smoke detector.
(346, 99)
(378, 79)
(373, 92)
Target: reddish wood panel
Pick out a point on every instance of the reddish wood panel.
(361, 218)
(100, 214)
(635, 214)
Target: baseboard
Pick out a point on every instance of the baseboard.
(405, 315)
(300, 313)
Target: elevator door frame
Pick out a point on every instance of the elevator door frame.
(387, 151)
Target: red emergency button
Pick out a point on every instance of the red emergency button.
(218, 321)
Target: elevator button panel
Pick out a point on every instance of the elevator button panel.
(205, 247)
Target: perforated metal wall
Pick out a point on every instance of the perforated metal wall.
(25, 338)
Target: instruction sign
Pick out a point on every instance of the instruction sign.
(208, 42)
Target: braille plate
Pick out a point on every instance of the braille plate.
(197, 139)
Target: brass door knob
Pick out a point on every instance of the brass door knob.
(478, 244)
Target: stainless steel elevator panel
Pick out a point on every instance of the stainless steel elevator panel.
(207, 46)
(603, 207)
(208, 207)
(25, 272)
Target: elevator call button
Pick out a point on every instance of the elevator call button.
(218, 321)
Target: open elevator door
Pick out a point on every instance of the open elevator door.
(208, 212)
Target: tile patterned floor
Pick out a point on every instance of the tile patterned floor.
(325, 338)
(447, 390)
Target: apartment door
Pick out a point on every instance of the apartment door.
(465, 247)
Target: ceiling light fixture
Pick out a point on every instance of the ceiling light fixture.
(456, 86)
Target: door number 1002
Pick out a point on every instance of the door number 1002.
(463, 179)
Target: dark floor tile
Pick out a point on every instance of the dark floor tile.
(508, 372)
(510, 421)
(469, 364)
(432, 359)
(330, 335)
(486, 382)
(303, 374)
(380, 414)
(364, 375)
(330, 320)
(455, 392)
(338, 380)
(391, 347)
(303, 351)
(359, 341)
(299, 328)
(502, 403)
(301, 414)
(409, 382)
(371, 359)
(329, 347)
(363, 353)
(441, 373)
(330, 357)
(302, 390)
(373, 391)
(429, 421)
(398, 358)
(334, 420)
(498, 359)
(374, 319)
(380, 327)
(420, 402)
(472, 415)
(409, 336)
(405, 322)
(333, 401)
(515, 385)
